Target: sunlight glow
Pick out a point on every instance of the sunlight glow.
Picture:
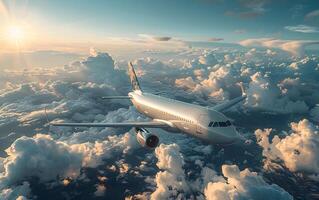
(15, 34)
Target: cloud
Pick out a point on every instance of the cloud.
(298, 151)
(156, 38)
(263, 95)
(100, 68)
(51, 160)
(295, 47)
(182, 170)
(214, 39)
(215, 75)
(313, 14)
(243, 185)
(302, 29)
(172, 180)
(41, 157)
(20, 192)
(314, 113)
(215, 85)
(100, 190)
(162, 38)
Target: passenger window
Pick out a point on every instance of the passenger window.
(215, 124)
(222, 124)
(228, 123)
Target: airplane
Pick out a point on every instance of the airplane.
(207, 124)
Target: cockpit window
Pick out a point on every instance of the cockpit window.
(219, 124)
(228, 123)
(210, 124)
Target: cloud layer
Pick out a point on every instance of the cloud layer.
(102, 162)
(295, 47)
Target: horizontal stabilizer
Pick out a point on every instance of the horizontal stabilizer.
(116, 97)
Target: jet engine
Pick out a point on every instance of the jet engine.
(145, 138)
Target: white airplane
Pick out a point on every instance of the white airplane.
(208, 124)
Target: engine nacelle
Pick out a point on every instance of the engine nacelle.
(145, 138)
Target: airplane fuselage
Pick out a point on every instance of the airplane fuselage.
(200, 122)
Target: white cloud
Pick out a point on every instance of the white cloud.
(295, 47)
(302, 29)
(208, 59)
(261, 94)
(42, 157)
(243, 185)
(298, 151)
(208, 73)
(219, 80)
(172, 180)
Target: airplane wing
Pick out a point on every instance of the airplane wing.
(150, 124)
(224, 106)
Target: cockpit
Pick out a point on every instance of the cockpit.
(219, 124)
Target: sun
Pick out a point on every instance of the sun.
(15, 34)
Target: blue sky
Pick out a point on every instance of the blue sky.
(189, 20)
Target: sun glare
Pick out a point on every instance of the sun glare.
(15, 34)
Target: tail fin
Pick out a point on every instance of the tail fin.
(134, 82)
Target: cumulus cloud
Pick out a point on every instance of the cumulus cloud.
(171, 181)
(48, 160)
(261, 94)
(174, 183)
(295, 47)
(214, 86)
(41, 157)
(243, 185)
(298, 151)
(302, 29)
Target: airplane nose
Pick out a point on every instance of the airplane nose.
(226, 135)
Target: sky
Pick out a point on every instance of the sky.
(44, 24)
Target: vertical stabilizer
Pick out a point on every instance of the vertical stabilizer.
(134, 82)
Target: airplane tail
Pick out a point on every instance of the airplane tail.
(134, 82)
